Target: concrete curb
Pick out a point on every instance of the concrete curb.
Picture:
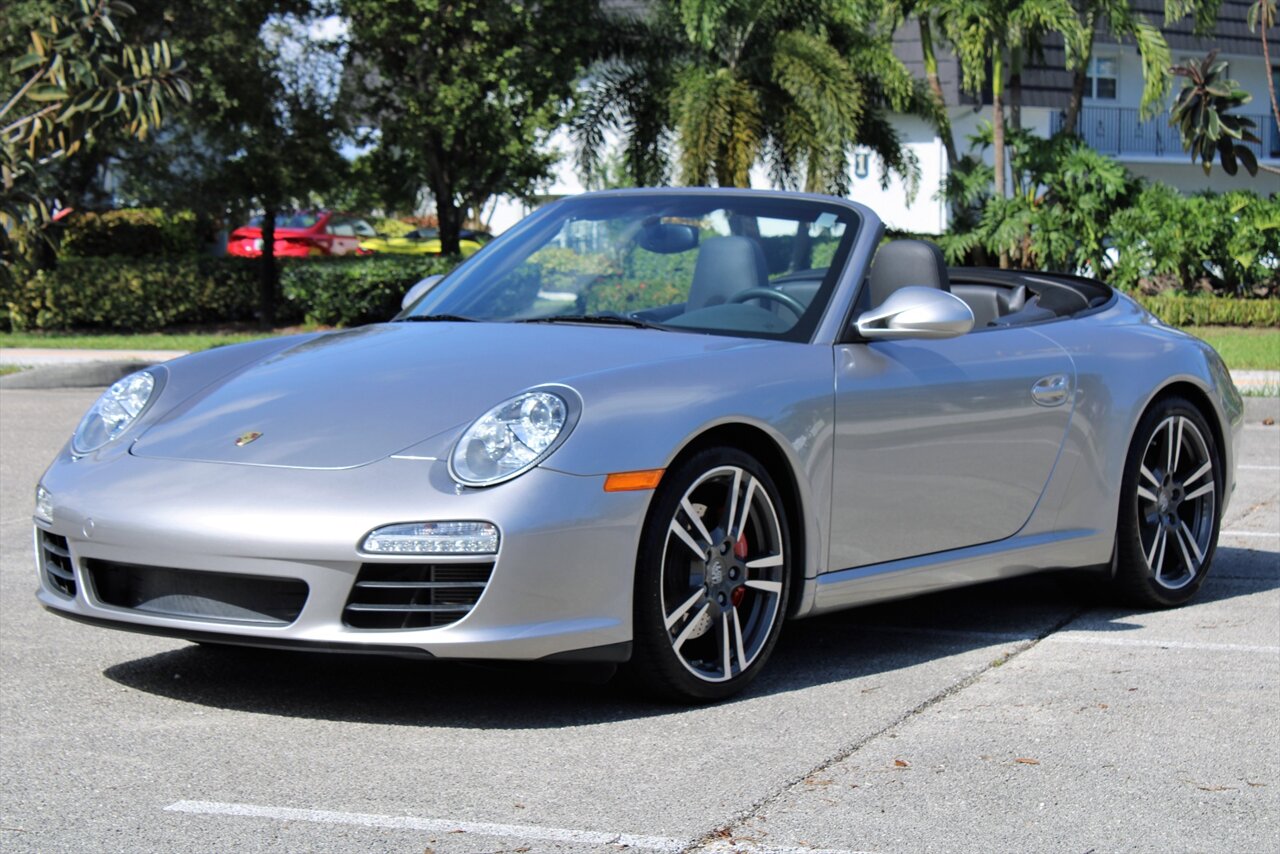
(72, 375)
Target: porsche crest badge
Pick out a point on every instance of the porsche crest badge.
(245, 438)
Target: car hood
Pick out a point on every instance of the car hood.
(353, 397)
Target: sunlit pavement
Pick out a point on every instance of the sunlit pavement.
(1021, 716)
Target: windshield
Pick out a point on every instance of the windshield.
(758, 266)
(290, 220)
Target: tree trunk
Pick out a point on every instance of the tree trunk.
(450, 217)
(1271, 81)
(1015, 88)
(935, 86)
(268, 274)
(1078, 79)
(997, 130)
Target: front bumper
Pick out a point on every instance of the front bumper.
(561, 583)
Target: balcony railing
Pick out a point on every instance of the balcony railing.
(1119, 132)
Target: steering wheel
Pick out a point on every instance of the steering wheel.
(779, 297)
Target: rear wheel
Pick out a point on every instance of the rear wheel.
(712, 577)
(1169, 506)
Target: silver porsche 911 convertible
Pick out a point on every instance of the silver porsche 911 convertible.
(649, 427)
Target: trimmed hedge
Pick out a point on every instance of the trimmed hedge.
(132, 232)
(351, 290)
(150, 294)
(1206, 310)
(138, 294)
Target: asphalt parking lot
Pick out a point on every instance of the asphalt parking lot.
(1023, 716)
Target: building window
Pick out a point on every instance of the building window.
(1101, 82)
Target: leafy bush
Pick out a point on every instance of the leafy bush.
(350, 290)
(393, 227)
(1231, 240)
(133, 232)
(1207, 310)
(140, 295)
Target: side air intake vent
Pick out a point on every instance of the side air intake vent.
(414, 595)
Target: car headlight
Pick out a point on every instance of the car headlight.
(113, 412)
(512, 438)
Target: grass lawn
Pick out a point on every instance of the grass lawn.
(148, 341)
(1243, 349)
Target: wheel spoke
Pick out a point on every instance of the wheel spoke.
(1207, 488)
(737, 529)
(679, 612)
(697, 521)
(1191, 541)
(1186, 556)
(733, 501)
(678, 529)
(774, 587)
(1146, 472)
(1177, 448)
(1143, 492)
(724, 634)
(1168, 448)
(1156, 546)
(765, 562)
(1199, 473)
(737, 639)
(684, 634)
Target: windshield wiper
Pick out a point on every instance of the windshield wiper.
(436, 318)
(601, 319)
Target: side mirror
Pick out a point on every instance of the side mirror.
(419, 289)
(917, 312)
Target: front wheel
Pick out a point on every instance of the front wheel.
(1169, 507)
(712, 577)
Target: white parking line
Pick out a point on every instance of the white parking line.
(526, 833)
(1259, 468)
(1109, 640)
(431, 825)
(1249, 534)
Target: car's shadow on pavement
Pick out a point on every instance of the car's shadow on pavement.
(869, 641)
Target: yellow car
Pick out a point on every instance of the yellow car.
(425, 241)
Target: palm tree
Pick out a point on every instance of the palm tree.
(794, 85)
(1262, 17)
(986, 33)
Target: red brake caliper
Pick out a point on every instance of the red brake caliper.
(740, 550)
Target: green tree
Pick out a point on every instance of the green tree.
(796, 86)
(263, 130)
(465, 94)
(1063, 195)
(78, 75)
(1201, 114)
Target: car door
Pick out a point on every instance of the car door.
(941, 444)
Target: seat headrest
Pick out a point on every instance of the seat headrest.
(902, 263)
(725, 266)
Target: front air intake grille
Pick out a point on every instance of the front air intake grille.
(414, 595)
(189, 594)
(55, 557)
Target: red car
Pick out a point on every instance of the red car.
(303, 233)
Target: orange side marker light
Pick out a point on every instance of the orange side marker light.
(629, 481)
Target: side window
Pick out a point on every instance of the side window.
(341, 228)
(363, 229)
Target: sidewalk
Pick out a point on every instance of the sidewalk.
(85, 368)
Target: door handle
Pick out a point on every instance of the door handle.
(1051, 390)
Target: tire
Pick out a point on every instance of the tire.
(712, 578)
(1170, 508)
